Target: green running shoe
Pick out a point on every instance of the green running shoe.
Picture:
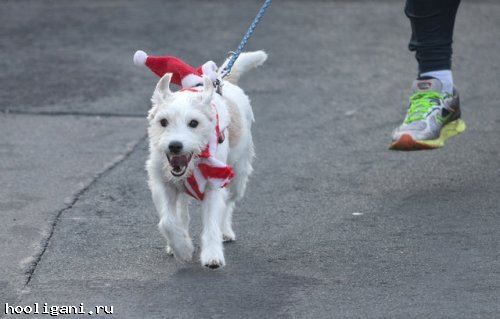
(431, 119)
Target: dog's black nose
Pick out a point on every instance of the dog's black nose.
(175, 147)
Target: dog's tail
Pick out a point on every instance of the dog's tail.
(245, 61)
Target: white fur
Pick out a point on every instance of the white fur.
(245, 62)
(167, 190)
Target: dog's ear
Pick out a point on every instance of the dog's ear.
(162, 90)
(208, 90)
(161, 93)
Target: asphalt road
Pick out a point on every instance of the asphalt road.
(334, 225)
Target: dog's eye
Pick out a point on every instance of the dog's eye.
(193, 123)
(163, 122)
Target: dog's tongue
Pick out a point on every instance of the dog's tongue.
(179, 161)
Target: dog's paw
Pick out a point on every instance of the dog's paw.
(212, 259)
(214, 264)
(228, 237)
(169, 250)
(228, 234)
(183, 249)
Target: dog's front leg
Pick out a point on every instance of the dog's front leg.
(183, 211)
(165, 199)
(213, 207)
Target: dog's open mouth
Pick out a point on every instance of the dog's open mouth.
(179, 163)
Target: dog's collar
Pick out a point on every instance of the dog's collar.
(220, 133)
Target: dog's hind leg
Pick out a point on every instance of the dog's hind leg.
(165, 199)
(243, 169)
(213, 207)
(227, 222)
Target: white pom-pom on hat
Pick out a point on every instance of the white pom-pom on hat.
(140, 57)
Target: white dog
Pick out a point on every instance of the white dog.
(181, 125)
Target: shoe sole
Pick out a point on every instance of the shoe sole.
(407, 143)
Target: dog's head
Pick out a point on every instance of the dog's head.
(180, 125)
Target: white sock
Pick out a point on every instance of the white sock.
(446, 78)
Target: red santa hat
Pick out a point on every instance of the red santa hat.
(183, 74)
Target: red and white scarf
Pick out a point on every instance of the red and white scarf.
(207, 168)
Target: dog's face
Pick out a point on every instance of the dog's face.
(180, 126)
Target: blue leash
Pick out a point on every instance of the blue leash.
(236, 54)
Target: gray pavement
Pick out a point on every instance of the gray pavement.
(333, 225)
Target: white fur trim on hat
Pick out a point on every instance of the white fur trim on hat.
(140, 57)
(191, 80)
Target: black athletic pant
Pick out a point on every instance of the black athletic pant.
(432, 24)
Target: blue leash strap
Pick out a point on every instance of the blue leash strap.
(235, 54)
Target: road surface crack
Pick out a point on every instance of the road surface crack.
(33, 265)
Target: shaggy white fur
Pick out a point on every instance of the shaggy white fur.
(180, 125)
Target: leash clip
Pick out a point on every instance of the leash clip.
(218, 85)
